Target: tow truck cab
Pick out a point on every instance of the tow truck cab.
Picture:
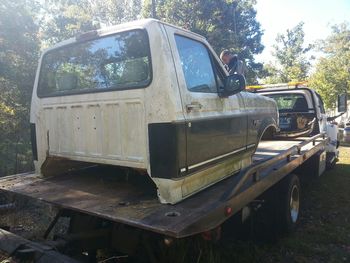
(302, 113)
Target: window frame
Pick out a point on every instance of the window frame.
(95, 90)
(211, 58)
(321, 106)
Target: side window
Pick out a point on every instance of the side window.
(196, 65)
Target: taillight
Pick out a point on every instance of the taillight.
(212, 235)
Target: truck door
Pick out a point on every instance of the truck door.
(215, 127)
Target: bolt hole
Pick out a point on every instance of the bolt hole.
(172, 214)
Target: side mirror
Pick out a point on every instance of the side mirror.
(342, 102)
(342, 106)
(233, 84)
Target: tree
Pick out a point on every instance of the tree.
(112, 12)
(332, 74)
(64, 19)
(18, 59)
(290, 54)
(226, 24)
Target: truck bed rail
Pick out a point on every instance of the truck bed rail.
(255, 170)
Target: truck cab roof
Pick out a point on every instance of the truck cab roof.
(105, 31)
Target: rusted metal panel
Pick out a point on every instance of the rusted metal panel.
(104, 196)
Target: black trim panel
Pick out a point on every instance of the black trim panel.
(167, 146)
(180, 148)
(209, 138)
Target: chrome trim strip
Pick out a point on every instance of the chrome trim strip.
(250, 145)
(216, 158)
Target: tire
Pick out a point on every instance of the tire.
(288, 204)
(275, 218)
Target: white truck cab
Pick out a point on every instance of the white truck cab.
(302, 113)
(149, 97)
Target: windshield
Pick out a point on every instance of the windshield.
(290, 102)
(113, 62)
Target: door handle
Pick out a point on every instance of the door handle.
(194, 106)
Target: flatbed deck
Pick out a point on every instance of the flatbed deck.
(102, 196)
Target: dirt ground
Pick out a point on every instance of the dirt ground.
(323, 234)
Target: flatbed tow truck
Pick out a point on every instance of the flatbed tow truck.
(77, 195)
(107, 203)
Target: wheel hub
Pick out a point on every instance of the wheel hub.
(294, 204)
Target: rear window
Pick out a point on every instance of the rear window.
(290, 102)
(115, 62)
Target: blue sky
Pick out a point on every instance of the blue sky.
(276, 16)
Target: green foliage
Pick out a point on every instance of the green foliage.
(64, 19)
(226, 24)
(112, 12)
(290, 54)
(332, 74)
(18, 57)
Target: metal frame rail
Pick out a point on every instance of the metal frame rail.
(257, 169)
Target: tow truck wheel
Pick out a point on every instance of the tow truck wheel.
(289, 203)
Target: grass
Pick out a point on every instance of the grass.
(324, 231)
(323, 234)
